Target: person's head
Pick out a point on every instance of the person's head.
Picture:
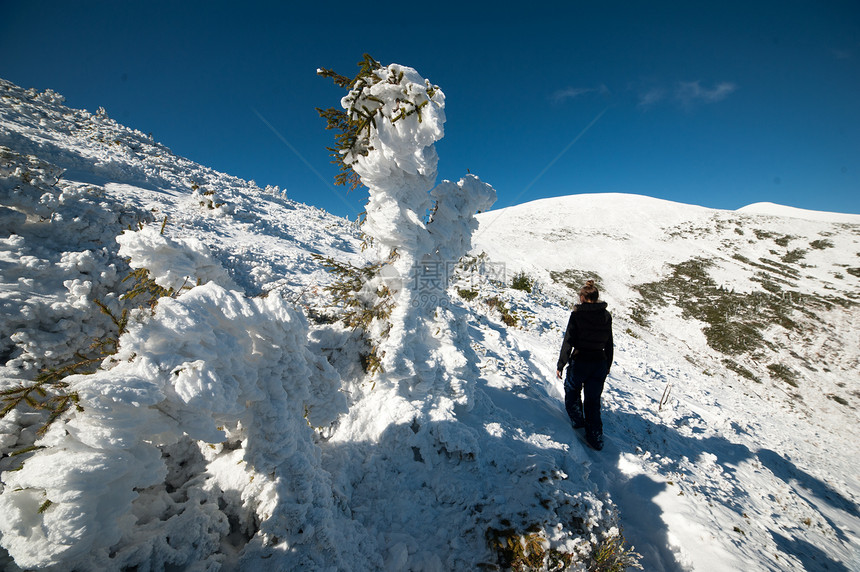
(588, 294)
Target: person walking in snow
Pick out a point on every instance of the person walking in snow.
(587, 352)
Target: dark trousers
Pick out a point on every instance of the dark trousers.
(585, 377)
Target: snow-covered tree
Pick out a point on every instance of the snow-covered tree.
(391, 119)
(211, 380)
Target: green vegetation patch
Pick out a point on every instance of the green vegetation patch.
(508, 318)
(467, 294)
(357, 306)
(522, 281)
(783, 240)
(740, 370)
(574, 279)
(779, 239)
(639, 315)
(735, 322)
(778, 268)
(794, 256)
(768, 266)
(821, 244)
(531, 551)
(784, 373)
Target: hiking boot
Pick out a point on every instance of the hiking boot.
(596, 441)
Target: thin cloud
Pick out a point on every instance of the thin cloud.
(563, 95)
(687, 94)
(651, 97)
(692, 92)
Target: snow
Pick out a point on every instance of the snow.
(234, 429)
(794, 212)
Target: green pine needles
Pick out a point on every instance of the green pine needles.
(522, 281)
(357, 122)
(354, 125)
(530, 551)
(362, 301)
(49, 391)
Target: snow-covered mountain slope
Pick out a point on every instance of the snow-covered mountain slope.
(733, 402)
(158, 309)
(225, 421)
(222, 361)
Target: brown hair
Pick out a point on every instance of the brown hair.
(589, 291)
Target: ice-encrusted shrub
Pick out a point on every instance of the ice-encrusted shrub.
(49, 390)
(363, 302)
(40, 216)
(63, 305)
(28, 186)
(206, 199)
(144, 476)
(390, 121)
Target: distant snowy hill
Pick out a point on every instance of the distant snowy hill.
(782, 210)
(217, 415)
(737, 379)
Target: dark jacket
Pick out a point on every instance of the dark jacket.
(588, 335)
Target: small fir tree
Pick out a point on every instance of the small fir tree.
(390, 120)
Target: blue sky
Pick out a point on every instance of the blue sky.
(719, 104)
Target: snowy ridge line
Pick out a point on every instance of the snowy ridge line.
(785, 211)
